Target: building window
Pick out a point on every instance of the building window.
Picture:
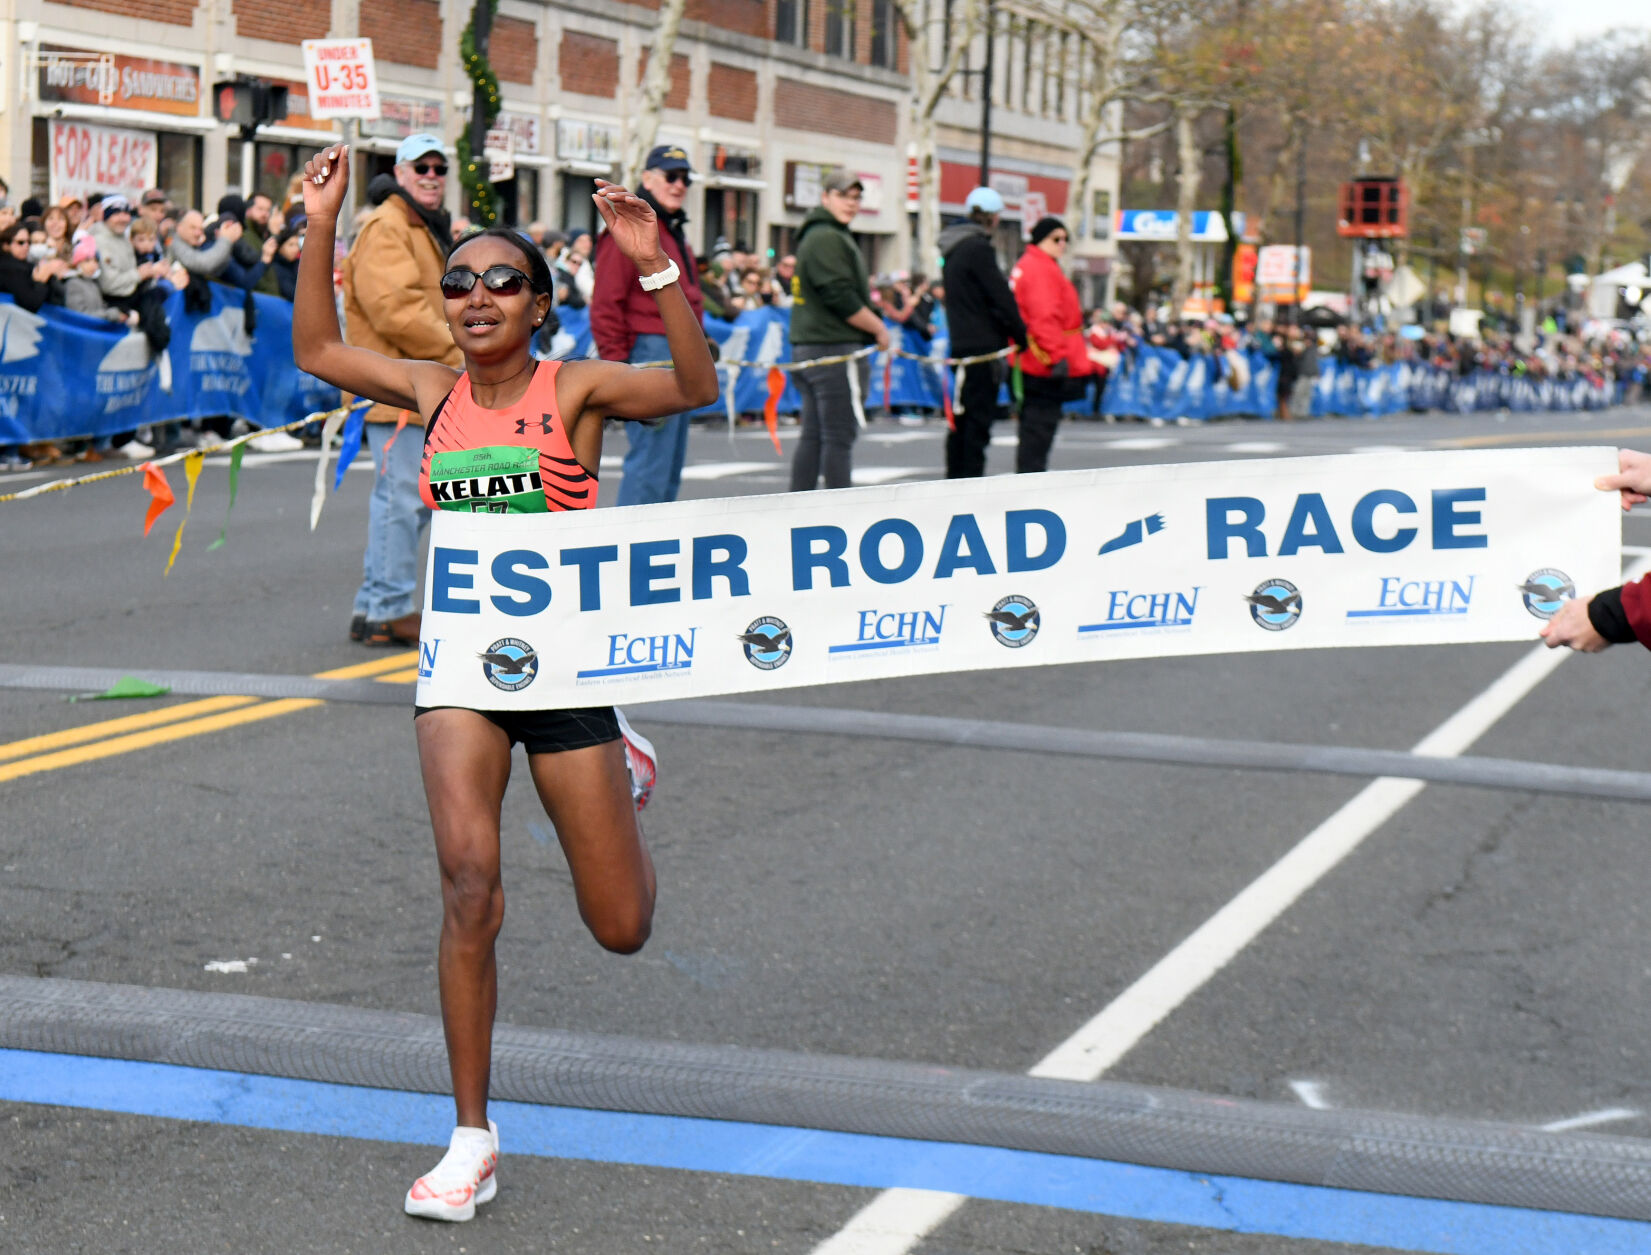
(885, 33)
(1100, 217)
(839, 29)
(791, 22)
(578, 207)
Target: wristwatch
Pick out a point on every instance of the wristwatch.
(653, 282)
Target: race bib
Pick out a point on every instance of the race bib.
(497, 479)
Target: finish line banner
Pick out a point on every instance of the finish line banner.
(742, 594)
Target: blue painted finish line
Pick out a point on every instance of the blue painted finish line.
(1233, 1204)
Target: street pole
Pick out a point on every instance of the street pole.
(986, 97)
(1301, 210)
(482, 19)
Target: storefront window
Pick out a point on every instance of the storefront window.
(578, 210)
(180, 168)
(730, 214)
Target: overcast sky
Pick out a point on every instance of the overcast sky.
(1565, 21)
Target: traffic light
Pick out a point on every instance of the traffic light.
(248, 104)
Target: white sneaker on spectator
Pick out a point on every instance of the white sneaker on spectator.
(136, 451)
(466, 1175)
(640, 760)
(276, 442)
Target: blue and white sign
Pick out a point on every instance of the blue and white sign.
(1162, 226)
(744, 594)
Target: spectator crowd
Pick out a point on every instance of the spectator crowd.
(108, 258)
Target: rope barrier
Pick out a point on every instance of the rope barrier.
(138, 468)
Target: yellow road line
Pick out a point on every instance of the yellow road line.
(1575, 435)
(360, 670)
(399, 677)
(154, 736)
(113, 727)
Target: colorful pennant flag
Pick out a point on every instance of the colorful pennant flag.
(160, 493)
(191, 472)
(234, 486)
(350, 445)
(771, 406)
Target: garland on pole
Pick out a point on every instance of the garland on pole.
(479, 193)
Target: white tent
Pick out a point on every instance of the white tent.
(1603, 289)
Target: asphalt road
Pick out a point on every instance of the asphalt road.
(1482, 954)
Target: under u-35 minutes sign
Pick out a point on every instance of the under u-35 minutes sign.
(341, 78)
(749, 593)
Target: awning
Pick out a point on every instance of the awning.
(135, 118)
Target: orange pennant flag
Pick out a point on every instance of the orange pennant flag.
(154, 482)
(771, 407)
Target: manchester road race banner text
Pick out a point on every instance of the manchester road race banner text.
(752, 593)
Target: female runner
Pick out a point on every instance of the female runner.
(496, 291)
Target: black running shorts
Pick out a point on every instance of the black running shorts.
(549, 731)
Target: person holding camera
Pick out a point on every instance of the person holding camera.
(1055, 364)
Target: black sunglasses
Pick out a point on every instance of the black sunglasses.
(500, 280)
(438, 168)
(677, 176)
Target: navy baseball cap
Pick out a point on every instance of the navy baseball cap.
(668, 157)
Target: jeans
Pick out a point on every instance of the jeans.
(396, 520)
(966, 443)
(653, 462)
(829, 426)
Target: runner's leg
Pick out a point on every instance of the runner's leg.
(587, 794)
(465, 760)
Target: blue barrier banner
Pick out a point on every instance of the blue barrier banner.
(65, 375)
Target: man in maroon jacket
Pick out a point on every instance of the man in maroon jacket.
(624, 322)
(1617, 615)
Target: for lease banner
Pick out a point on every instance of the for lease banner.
(533, 611)
(89, 158)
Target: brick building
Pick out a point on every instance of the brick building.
(765, 95)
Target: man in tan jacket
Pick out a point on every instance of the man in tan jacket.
(392, 305)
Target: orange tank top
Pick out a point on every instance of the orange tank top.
(510, 461)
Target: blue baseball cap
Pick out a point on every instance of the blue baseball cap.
(415, 146)
(667, 157)
(985, 199)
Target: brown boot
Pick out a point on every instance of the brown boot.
(402, 631)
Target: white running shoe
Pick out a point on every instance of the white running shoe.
(136, 451)
(276, 442)
(467, 1175)
(640, 760)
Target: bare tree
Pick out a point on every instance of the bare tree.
(927, 37)
(656, 85)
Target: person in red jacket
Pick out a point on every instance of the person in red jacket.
(1055, 351)
(1616, 615)
(625, 323)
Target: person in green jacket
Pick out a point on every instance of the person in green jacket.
(831, 315)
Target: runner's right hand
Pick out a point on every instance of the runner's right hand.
(326, 176)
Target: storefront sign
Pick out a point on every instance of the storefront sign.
(804, 180)
(87, 158)
(524, 132)
(498, 149)
(596, 142)
(1034, 206)
(1276, 277)
(1161, 226)
(75, 76)
(343, 82)
(401, 116)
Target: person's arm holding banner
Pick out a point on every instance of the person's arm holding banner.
(1618, 615)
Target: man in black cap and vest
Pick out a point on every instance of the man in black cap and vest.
(625, 323)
